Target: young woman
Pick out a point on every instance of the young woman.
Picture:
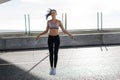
(53, 38)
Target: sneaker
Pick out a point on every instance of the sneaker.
(51, 71)
(54, 71)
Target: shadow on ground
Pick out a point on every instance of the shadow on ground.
(12, 72)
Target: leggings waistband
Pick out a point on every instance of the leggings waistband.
(53, 36)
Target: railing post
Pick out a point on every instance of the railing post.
(98, 21)
(25, 24)
(29, 23)
(66, 21)
(62, 18)
(101, 22)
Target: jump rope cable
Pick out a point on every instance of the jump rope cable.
(102, 42)
(22, 75)
(76, 41)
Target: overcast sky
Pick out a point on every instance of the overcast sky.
(80, 13)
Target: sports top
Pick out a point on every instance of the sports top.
(53, 25)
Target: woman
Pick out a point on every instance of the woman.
(53, 38)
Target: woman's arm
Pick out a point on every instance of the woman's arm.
(44, 32)
(65, 31)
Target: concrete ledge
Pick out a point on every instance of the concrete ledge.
(80, 40)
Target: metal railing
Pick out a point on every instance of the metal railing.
(28, 20)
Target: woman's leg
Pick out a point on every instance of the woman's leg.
(56, 49)
(50, 47)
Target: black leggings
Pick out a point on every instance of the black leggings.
(53, 45)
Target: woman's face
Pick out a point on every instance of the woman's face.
(53, 13)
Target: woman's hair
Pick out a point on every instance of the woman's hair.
(49, 13)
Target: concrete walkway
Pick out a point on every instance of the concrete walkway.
(83, 63)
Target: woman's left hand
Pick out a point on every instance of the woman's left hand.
(71, 36)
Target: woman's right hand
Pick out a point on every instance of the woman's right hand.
(37, 37)
(71, 36)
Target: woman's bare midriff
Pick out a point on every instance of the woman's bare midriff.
(53, 32)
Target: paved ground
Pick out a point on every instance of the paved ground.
(84, 63)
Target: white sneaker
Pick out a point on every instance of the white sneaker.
(54, 71)
(51, 71)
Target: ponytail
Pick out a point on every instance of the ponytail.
(48, 14)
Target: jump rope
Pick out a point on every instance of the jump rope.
(101, 39)
(74, 41)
